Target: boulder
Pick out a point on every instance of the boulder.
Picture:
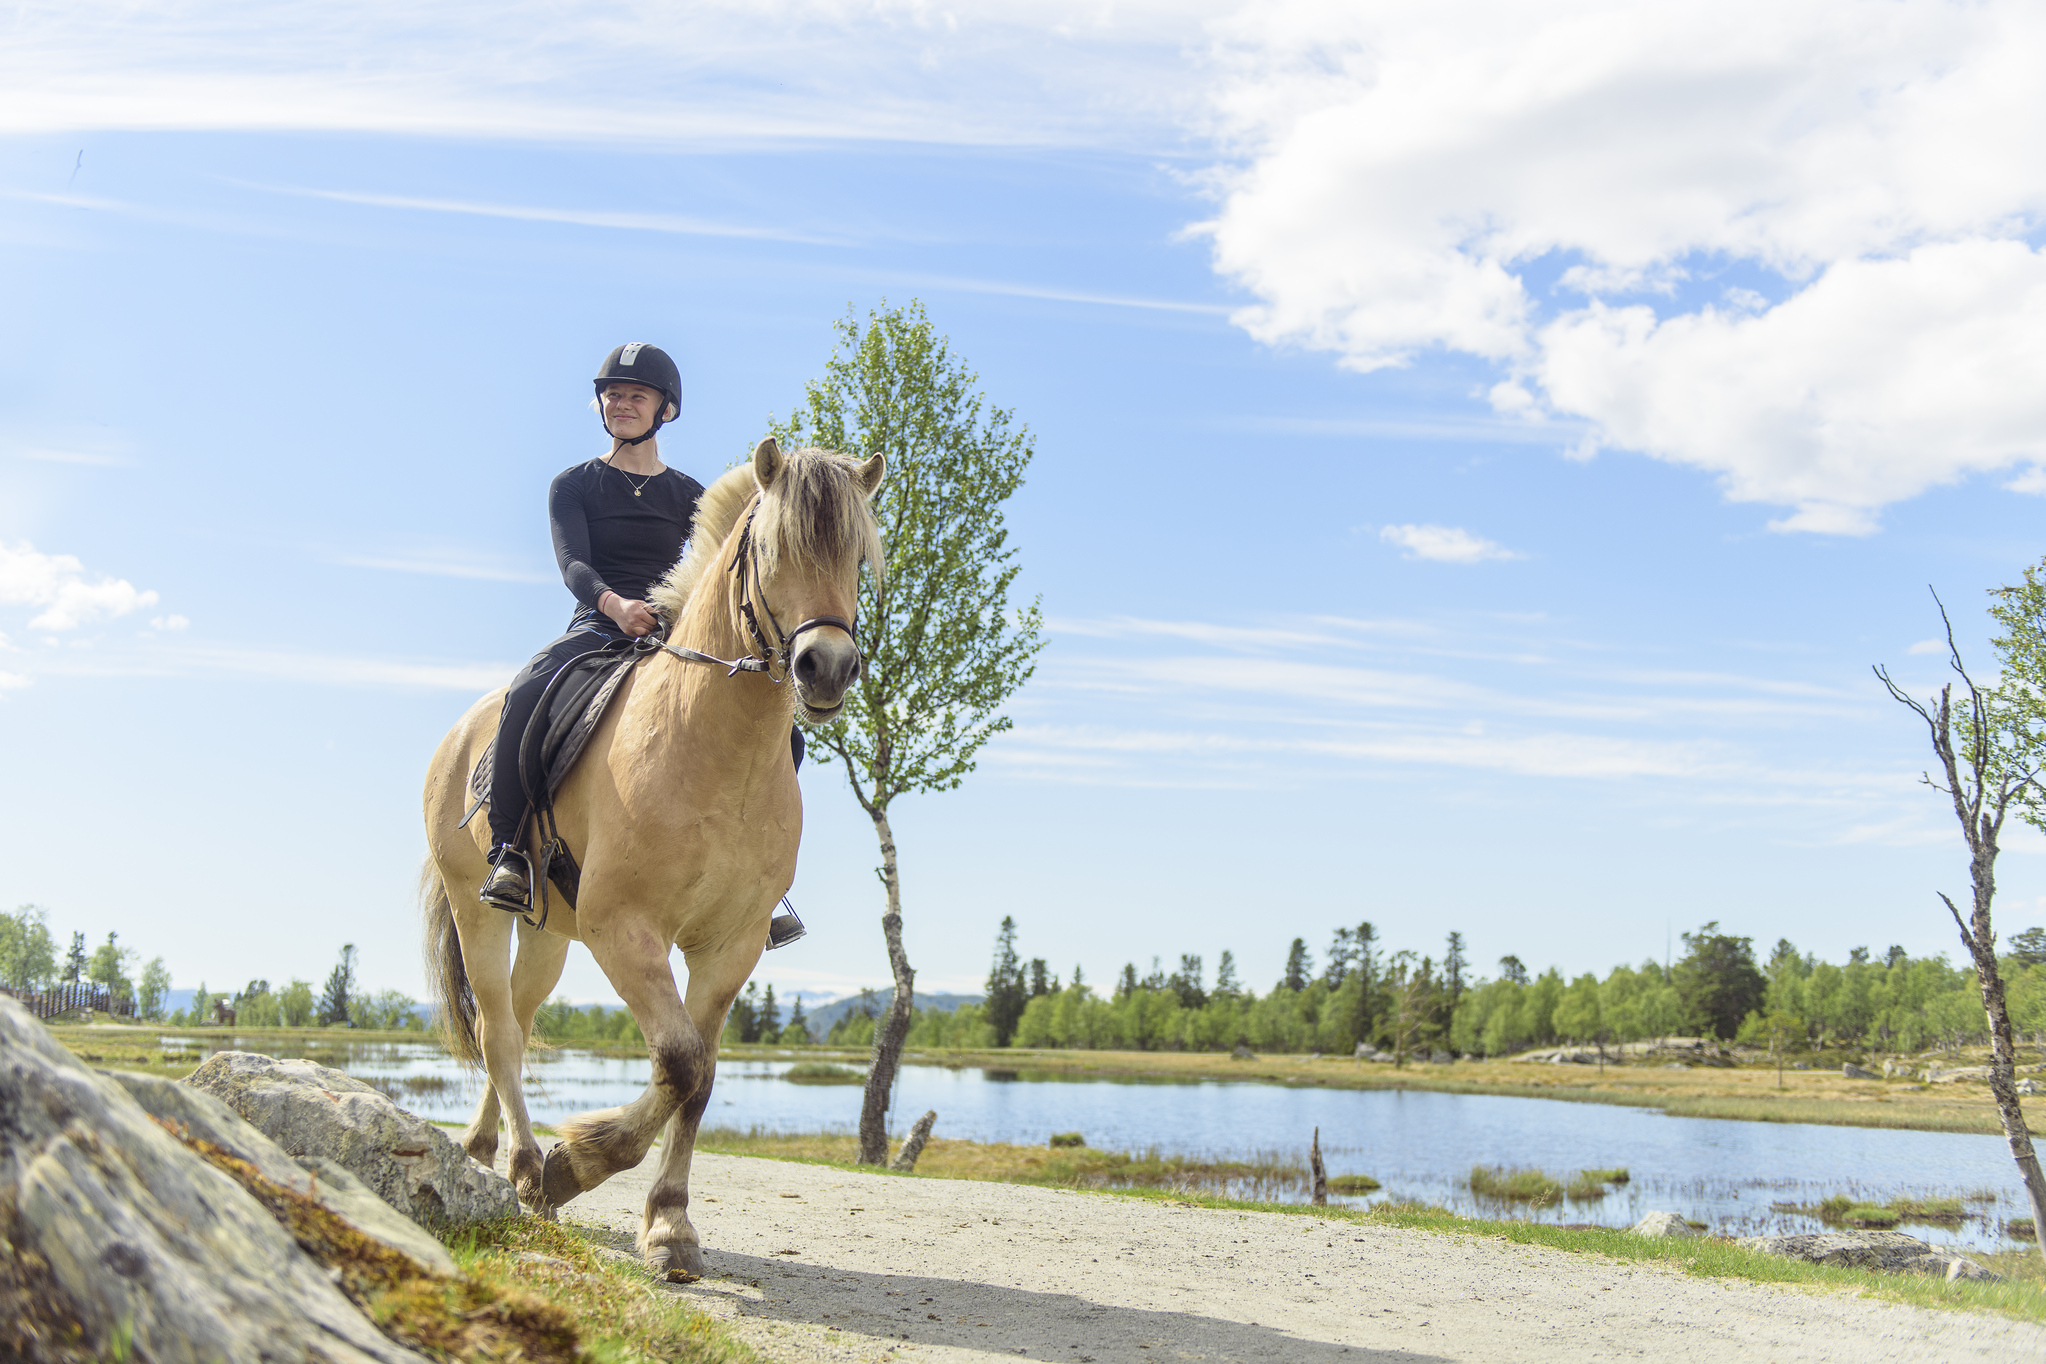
(1889, 1251)
(2029, 1086)
(200, 1115)
(118, 1241)
(312, 1111)
(1242, 1053)
(1663, 1224)
(1854, 1072)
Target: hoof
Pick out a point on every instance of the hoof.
(675, 1262)
(558, 1181)
(529, 1177)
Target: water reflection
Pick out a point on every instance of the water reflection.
(1417, 1144)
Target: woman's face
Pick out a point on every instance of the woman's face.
(629, 409)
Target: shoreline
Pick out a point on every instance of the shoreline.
(1739, 1093)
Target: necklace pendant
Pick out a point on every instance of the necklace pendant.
(635, 492)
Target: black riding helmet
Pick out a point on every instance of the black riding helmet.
(636, 362)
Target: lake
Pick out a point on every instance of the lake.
(1417, 1144)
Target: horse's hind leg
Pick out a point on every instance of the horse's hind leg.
(486, 949)
(668, 1241)
(536, 970)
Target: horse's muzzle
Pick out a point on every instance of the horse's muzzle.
(826, 662)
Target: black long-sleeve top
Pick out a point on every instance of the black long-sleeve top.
(606, 539)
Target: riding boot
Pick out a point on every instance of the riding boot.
(510, 884)
(784, 928)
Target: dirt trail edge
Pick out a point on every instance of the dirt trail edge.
(810, 1263)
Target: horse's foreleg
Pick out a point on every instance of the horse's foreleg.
(634, 954)
(667, 1239)
(536, 969)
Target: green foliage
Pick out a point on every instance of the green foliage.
(1068, 1139)
(109, 968)
(336, 999)
(28, 956)
(1717, 981)
(1006, 994)
(151, 989)
(75, 960)
(559, 1021)
(944, 648)
(823, 1073)
(385, 1011)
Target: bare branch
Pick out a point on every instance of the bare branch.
(1967, 938)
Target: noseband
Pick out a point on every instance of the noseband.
(767, 655)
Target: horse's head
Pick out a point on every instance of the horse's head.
(810, 532)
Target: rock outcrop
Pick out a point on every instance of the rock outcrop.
(112, 1229)
(313, 1112)
(1663, 1224)
(1854, 1072)
(1889, 1251)
(200, 1115)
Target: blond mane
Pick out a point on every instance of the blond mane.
(816, 516)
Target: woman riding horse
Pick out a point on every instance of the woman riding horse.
(618, 524)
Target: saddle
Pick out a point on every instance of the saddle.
(567, 715)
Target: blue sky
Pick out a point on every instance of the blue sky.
(1474, 474)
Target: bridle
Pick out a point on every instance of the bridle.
(767, 655)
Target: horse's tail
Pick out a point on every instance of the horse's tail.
(445, 969)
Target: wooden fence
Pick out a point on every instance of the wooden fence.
(63, 999)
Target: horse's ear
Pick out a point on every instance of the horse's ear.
(768, 462)
(870, 470)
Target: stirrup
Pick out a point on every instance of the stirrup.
(521, 907)
(785, 927)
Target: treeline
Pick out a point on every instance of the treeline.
(29, 964)
(1407, 1004)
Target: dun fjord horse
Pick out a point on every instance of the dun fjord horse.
(684, 814)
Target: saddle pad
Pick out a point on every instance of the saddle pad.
(576, 703)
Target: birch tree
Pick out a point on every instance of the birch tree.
(945, 649)
(1988, 745)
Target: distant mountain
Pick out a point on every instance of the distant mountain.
(823, 1017)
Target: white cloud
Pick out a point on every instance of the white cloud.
(168, 624)
(1928, 646)
(57, 583)
(1444, 544)
(13, 682)
(1407, 173)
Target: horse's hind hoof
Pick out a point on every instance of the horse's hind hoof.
(558, 1182)
(675, 1263)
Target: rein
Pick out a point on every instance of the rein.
(765, 657)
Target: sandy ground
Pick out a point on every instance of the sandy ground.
(809, 1263)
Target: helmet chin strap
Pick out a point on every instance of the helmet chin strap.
(660, 420)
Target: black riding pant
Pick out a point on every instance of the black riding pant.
(588, 632)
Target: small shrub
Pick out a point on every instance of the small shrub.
(1617, 1175)
(2021, 1229)
(1352, 1184)
(1586, 1186)
(823, 1073)
(1518, 1186)
(1067, 1139)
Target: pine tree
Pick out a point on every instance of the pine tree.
(1342, 952)
(1226, 984)
(75, 962)
(1511, 968)
(799, 1022)
(1187, 982)
(1299, 967)
(1042, 981)
(770, 1017)
(1126, 983)
(339, 995)
(1453, 964)
(1006, 995)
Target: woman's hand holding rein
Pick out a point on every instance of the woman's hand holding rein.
(635, 618)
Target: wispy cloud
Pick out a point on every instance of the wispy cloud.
(678, 224)
(153, 658)
(1445, 544)
(1928, 646)
(445, 568)
(91, 457)
(1059, 295)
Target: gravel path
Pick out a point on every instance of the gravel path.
(810, 1263)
